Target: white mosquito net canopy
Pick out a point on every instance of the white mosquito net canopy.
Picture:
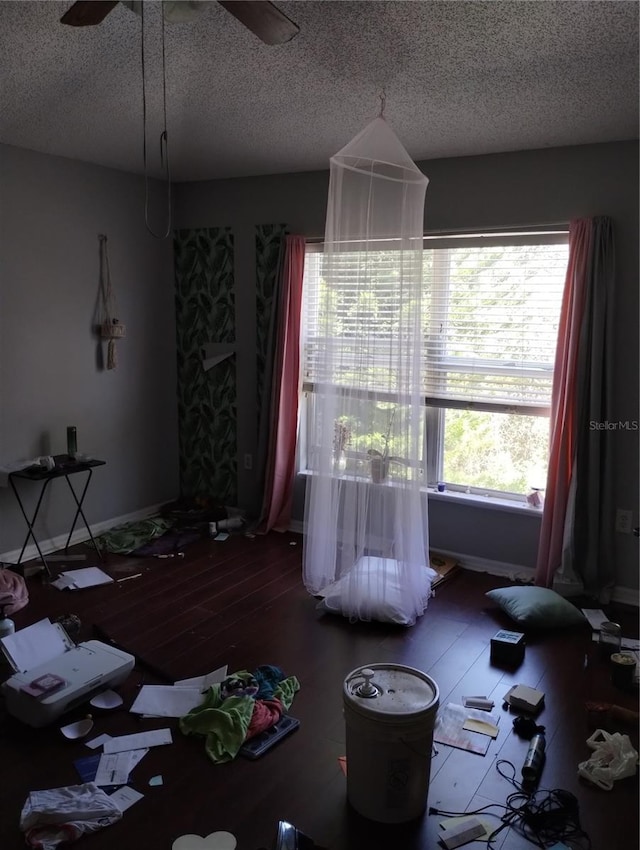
(366, 549)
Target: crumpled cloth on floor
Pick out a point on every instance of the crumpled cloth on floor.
(241, 684)
(266, 712)
(268, 677)
(13, 592)
(52, 817)
(225, 721)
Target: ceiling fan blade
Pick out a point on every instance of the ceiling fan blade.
(263, 19)
(88, 13)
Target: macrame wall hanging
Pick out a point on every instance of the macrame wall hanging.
(110, 326)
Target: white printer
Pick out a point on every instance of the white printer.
(44, 652)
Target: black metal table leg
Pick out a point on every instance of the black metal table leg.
(63, 467)
(30, 524)
(80, 512)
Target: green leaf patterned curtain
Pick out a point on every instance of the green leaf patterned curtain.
(207, 413)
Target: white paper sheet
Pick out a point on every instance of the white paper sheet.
(113, 769)
(63, 582)
(94, 743)
(34, 645)
(86, 577)
(155, 738)
(449, 728)
(106, 700)
(166, 700)
(595, 616)
(489, 827)
(204, 682)
(125, 797)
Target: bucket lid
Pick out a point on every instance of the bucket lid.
(390, 691)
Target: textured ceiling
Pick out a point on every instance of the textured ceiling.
(461, 78)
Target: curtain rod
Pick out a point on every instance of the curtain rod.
(556, 226)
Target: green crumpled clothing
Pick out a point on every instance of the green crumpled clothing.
(128, 537)
(224, 723)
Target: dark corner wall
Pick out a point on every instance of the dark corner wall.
(51, 212)
(503, 190)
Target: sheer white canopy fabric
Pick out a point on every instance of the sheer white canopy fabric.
(366, 546)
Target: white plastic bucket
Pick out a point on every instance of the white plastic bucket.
(389, 713)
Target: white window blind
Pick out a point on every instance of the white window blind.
(490, 309)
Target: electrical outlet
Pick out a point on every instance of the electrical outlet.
(248, 464)
(624, 521)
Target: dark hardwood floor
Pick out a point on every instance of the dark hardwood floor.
(242, 603)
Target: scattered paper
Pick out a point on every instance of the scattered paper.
(155, 738)
(210, 362)
(213, 841)
(204, 682)
(137, 756)
(35, 645)
(483, 703)
(481, 726)
(113, 769)
(166, 700)
(595, 616)
(85, 577)
(125, 797)
(63, 582)
(118, 766)
(78, 729)
(94, 743)
(447, 823)
(449, 728)
(106, 700)
(155, 781)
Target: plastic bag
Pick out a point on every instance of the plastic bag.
(613, 758)
(52, 817)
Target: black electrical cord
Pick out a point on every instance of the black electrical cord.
(542, 817)
(164, 138)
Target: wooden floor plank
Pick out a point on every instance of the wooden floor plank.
(243, 603)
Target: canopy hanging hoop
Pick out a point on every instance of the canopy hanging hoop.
(111, 328)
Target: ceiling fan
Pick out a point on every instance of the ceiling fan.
(263, 18)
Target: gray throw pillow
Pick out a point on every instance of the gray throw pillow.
(538, 607)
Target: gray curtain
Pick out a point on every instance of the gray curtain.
(590, 522)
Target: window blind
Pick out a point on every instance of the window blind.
(490, 312)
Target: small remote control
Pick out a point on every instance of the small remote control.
(258, 746)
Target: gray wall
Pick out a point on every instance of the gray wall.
(513, 190)
(51, 212)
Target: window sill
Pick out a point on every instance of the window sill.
(494, 503)
(486, 502)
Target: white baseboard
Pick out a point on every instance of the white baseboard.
(80, 535)
(514, 572)
(626, 596)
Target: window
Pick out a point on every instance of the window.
(491, 305)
